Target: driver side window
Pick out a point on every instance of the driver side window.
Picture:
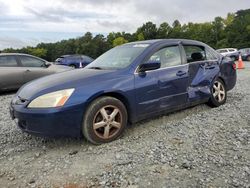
(169, 56)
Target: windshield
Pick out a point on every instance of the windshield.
(119, 57)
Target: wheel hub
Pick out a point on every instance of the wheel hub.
(107, 122)
(219, 91)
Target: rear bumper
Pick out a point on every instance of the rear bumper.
(60, 122)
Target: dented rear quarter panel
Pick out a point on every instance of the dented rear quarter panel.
(227, 73)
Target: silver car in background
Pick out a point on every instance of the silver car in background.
(18, 69)
(233, 53)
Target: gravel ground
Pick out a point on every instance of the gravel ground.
(196, 147)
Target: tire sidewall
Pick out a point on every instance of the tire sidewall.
(213, 101)
(94, 107)
(73, 66)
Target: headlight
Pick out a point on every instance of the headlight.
(51, 100)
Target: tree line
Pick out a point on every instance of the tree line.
(232, 31)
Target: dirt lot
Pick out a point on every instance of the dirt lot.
(197, 147)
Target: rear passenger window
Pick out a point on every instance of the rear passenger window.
(195, 53)
(169, 56)
(8, 61)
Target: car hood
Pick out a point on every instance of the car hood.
(69, 79)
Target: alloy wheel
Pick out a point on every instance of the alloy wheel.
(219, 92)
(107, 122)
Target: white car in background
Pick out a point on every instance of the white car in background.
(233, 53)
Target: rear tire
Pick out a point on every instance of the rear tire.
(218, 94)
(73, 66)
(104, 120)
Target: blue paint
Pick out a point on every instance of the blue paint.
(144, 94)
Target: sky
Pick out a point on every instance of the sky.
(29, 22)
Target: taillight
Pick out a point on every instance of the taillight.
(234, 66)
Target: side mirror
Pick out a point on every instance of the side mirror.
(150, 65)
(47, 64)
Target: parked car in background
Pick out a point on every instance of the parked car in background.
(230, 52)
(128, 83)
(18, 69)
(245, 54)
(75, 61)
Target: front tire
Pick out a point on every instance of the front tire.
(218, 94)
(104, 120)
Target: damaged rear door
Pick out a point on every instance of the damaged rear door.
(203, 68)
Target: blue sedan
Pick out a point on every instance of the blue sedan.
(127, 84)
(75, 61)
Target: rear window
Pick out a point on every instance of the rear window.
(199, 53)
(87, 59)
(194, 53)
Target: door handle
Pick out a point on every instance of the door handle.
(181, 73)
(210, 67)
(27, 70)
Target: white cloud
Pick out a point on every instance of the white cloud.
(103, 16)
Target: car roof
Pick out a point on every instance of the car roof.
(20, 54)
(15, 54)
(227, 49)
(158, 41)
(73, 55)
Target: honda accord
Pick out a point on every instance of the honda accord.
(127, 84)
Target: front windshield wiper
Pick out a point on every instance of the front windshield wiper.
(97, 68)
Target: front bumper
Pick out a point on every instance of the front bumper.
(58, 122)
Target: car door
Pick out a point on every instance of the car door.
(33, 67)
(164, 88)
(203, 68)
(11, 74)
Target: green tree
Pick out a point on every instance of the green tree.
(238, 34)
(218, 30)
(140, 37)
(232, 31)
(149, 30)
(176, 31)
(119, 41)
(164, 30)
(39, 52)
